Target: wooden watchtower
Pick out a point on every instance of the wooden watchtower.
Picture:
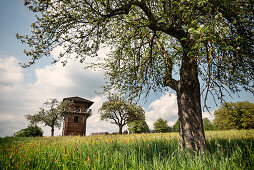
(75, 117)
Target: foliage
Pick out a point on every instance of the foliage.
(238, 115)
(51, 114)
(175, 127)
(229, 150)
(161, 126)
(220, 35)
(120, 112)
(138, 126)
(125, 132)
(207, 124)
(32, 130)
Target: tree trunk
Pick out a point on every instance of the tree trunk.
(85, 118)
(120, 129)
(52, 131)
(189, 106)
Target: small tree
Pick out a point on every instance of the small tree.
(175, 127)
(161, 126)
(238, 115)
(207, 124)
(120, 112)
(138, 126)
(50, 115)
(32, 130)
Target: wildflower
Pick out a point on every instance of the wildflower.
(11, 155)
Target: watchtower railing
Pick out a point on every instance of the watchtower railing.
(78, 110)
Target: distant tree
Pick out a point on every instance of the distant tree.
(207, 124)
(51, 114)
(138, 126)
(161, 126)
(120, 112)
(238, 115)
(175, 127)
(32, 130)
(125, 132)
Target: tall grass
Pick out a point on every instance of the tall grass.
(228, 150)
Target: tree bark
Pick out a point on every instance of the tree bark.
(85, 118)
(189, 106)
(52, 131)
(188, 97)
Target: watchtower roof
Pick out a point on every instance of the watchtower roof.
(79, 99)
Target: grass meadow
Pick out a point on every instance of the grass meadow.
(227, 150)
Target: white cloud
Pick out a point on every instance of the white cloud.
(165, 108)
(208, 115)
(11, 73)
(53, 76)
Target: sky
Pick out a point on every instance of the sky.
(23, 91)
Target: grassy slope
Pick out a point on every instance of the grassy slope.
(228, 150)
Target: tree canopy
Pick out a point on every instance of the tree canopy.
(51, 114)
(151, 40)
(140, 31)
(238, 115)
(138, 126)
(120, 112)
(161, 125)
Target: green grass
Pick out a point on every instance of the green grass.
(228, 150)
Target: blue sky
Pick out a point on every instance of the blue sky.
(23, 91)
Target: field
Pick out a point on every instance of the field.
(227, 150)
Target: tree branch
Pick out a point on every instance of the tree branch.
(168, 80)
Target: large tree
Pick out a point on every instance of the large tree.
(238, 115)
(150, 39)
(51, 114)
(120, 112)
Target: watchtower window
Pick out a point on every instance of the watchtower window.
(77, 108)
(75, 119)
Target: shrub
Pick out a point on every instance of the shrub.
(32, 130)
